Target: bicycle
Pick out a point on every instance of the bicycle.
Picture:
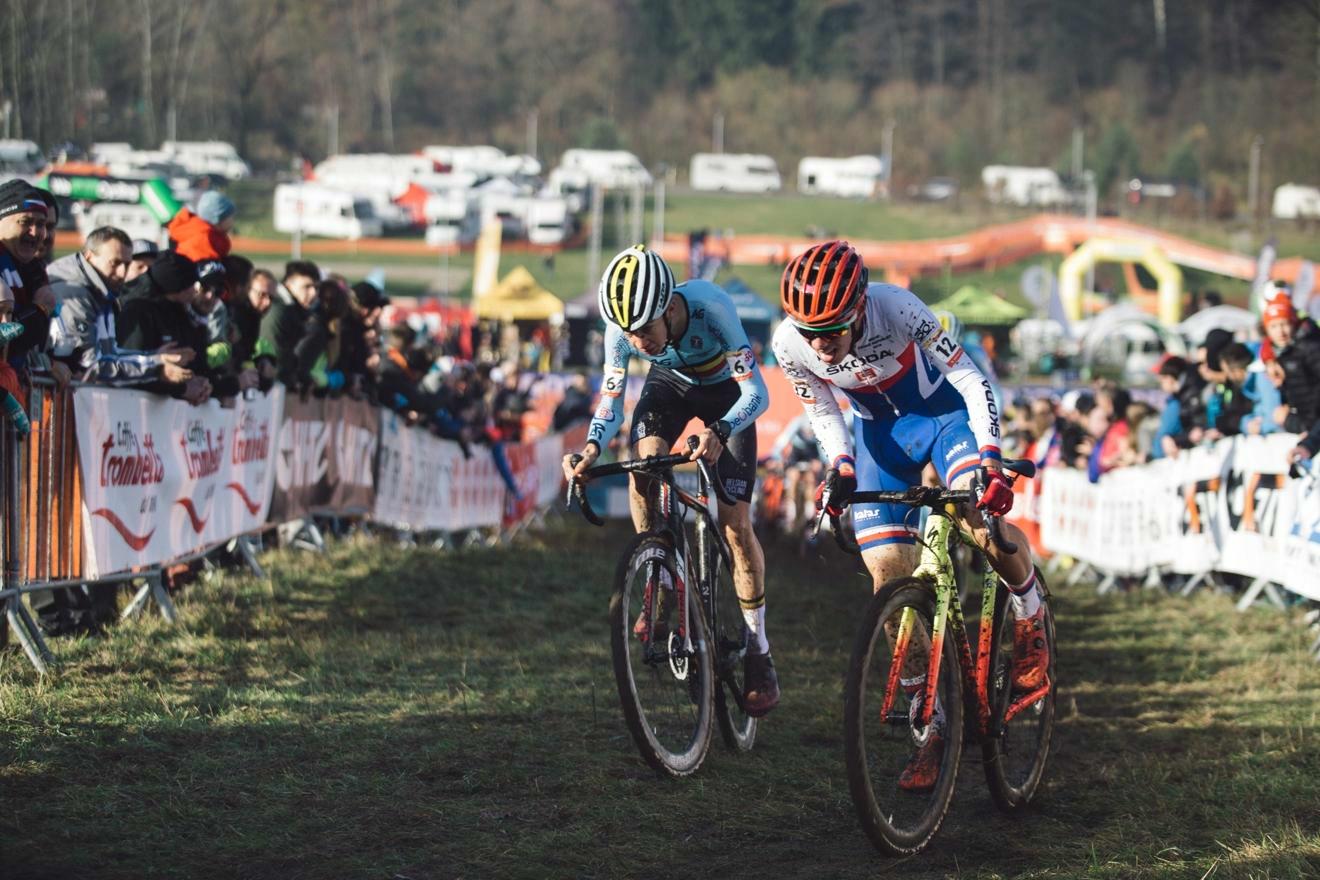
(902, 665)
(667, 666)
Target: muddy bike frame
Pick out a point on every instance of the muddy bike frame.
(936, 567)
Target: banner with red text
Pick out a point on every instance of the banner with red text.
(163, 478)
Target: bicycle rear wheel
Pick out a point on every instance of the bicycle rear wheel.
(731, 639)
(664, 688)
(897, 810)
(1015, 761)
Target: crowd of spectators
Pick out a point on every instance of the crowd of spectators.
(198, 322)
(1225, 388)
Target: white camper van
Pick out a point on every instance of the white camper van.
(546, 219)
(1024, 186)
(313, 209)
(483, 161)
(1296, 202)
(20, 157)
(452, 217)
(615, 169)
(208, 157)
(136, 220)
(851, 177)
(734, 172)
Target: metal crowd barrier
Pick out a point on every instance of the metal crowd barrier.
(42, 519)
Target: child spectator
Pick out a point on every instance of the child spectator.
(205, 235)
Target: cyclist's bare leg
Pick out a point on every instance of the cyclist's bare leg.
(638, 501)
(1012, 568)
(748, 565)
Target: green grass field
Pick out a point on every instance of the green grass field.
(382, 712)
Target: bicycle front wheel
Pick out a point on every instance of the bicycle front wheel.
(664, 673)
(901, 772)
(731, 638)
(1015, 759)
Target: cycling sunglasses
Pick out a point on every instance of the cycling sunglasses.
(833, 332)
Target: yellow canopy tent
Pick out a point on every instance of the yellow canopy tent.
(518, 298)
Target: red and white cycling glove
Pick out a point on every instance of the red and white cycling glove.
(996, 493)
(840, 483)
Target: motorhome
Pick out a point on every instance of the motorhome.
(850, 177)
(20, 158)
(483, 161)
(136, 220)
(1023, 186)
(547, 219)
(314, 209)
(734, 172)
(208, 157)
(614, 169)
(452, 217)
(1296, 202)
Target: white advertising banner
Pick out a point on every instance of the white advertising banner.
(163, 478)
(1229, 507)
(425, 484)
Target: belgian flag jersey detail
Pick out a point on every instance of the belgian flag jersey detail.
(714, 348)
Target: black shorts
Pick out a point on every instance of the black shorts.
(668, 403)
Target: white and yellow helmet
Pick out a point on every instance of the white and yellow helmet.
(635, 288)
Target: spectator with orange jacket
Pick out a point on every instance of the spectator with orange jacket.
(204, 236)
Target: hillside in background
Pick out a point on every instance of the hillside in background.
(1156, 87)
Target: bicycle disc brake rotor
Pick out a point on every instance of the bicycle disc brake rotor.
(679, 663)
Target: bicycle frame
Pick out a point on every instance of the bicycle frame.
(658, 469)
(937, 568)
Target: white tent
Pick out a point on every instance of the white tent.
(1231, 318)
(1127, 337)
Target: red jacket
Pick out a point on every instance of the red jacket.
(196, 239)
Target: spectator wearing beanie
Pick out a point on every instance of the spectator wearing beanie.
(155, 316)
(204, 235)
(361, 330)
(23, 221)
(1297, 355)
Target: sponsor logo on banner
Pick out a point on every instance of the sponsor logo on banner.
(127, 462)
(171, 478)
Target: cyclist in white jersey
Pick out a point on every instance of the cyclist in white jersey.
(918, 398)
(703, 368)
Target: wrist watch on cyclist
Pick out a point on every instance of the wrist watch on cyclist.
(721, 429)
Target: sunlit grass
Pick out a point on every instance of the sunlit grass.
(383, 710)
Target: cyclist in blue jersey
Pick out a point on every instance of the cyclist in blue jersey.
(918, 399)
(701, 367)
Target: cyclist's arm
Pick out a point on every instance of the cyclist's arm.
(753, 395)
(817, 398)
(956, 365)
(609, 411)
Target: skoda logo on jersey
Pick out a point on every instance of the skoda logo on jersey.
(856, 362)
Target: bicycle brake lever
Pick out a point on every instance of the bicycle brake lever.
(575, 459)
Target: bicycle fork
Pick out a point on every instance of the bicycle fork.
(935, 568)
